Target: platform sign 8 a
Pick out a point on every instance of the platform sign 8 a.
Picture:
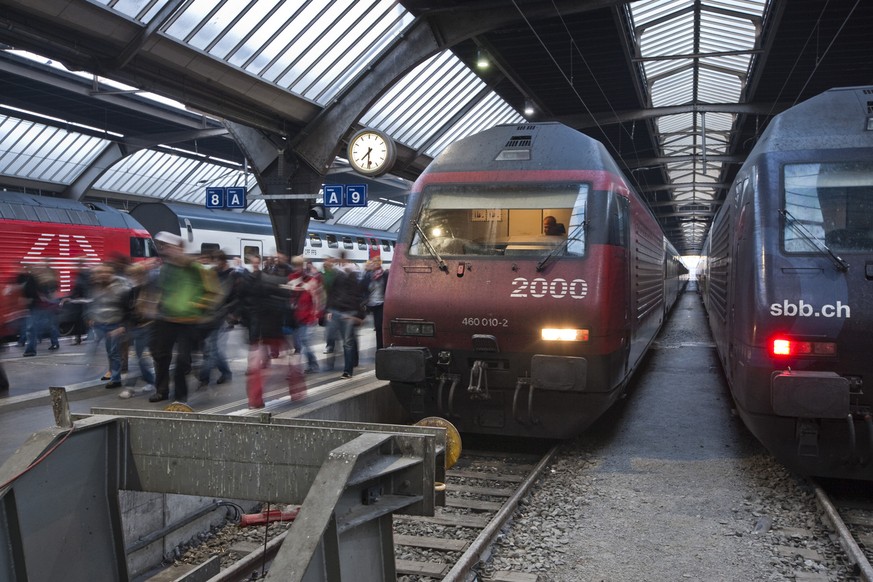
(215, 197)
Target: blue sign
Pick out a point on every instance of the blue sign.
(334, 196)
(236, 197)
(356, 195)
(215, 197)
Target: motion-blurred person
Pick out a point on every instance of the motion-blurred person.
(188, 297)
(141, 313)
(374, 281)
(107, 314)
(78, 299)
(215, 344)
(310, 301)
(41, 289)
(344, 314)
(266, 301)
(328, 276)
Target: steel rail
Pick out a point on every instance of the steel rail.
(473, 554)
(855, 553)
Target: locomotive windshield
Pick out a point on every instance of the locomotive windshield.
(833, 202)
(533, 220)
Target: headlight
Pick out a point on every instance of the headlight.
(415, 328)
(564, 335)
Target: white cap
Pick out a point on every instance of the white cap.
(169, 238)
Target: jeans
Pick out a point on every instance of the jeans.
(303, 335)
(214, 356)
(342, 326)
(104, 330)
(39, 320)
(140, 336)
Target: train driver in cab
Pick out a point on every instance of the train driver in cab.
(552, 227)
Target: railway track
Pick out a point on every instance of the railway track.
(851, 516)
(482, 492)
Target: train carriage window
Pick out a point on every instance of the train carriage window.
(314, 240)
(332, 242)
(362, 244)
(386, 245)
(207, 248)
(347, 243)
(373, 244)
(830, 203)
(501, 219)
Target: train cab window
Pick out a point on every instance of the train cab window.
(314, 240)
(332, 242)
(502, 219)
(362, 244)
(141, 248)
(347, 243)
(830, 203)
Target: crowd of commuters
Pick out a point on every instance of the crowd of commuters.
(171, 308)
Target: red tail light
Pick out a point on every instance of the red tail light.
(781, 347)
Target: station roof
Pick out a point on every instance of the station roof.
(126, 99)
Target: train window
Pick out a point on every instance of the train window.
(249, 252)
(830, 203)
(386, 245)
(208, 248)
(617, 220)
(362, 244)
(314, 240)
(347, 243)
(501, 219)
(332, 242)
(373, 244)
(141, 248)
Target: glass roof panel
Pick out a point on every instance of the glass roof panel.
(35, 151)
(169, 177)
(385, 218)
(302, 47)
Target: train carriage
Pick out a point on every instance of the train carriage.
(244, 235)
(787, 282)
(506, 327)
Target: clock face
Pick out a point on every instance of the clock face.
(371, 153)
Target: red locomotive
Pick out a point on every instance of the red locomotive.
(528, 281)
(64, 234)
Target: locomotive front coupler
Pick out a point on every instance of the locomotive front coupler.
(478, 388)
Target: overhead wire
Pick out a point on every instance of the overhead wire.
(802, 50)
(573, 88)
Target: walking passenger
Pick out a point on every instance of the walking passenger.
(344, 313)
(310, 301)
(107, 314)
(141, 313)
(188, 296)
(41, 289)
(374, 283)
(215, 344)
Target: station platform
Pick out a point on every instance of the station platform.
(26, 407)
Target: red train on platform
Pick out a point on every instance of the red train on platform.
(528, 281)
(64, 234)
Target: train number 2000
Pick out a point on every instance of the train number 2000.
(556, 288)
